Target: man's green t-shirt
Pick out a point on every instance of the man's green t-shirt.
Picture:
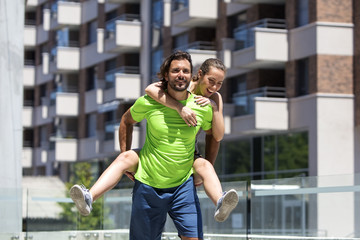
(167, 156)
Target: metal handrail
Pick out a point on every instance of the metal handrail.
(127, 17)
(110, 75)
(245, 35)
(199, 45)
(244, 101)
(264, 23)
(267, 92)
(179, 4)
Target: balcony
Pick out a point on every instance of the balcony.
(118, 1)
(89, 148)
(42, 113)
(41, 34)
(64, 104)
(256, 1)
(92, 100)
(66, 149)
(29, 76)
(29, 36)
(260, 110)
(261, 44)
(122, 83)
(27, 157)
(28, 116)
(34, 3)
(321, 38)
(42, 78)
(200, 51)
(44, 154)
(62, 59)
(192, 13)
(122, 35)
(62, 14)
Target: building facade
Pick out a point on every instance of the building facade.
(291, 94)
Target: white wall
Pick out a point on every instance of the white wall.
(11, 95)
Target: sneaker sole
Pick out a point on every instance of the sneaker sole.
(78, 198)
(230, 201)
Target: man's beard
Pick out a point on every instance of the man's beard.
(175, 87)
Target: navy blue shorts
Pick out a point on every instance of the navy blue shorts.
(150, 207)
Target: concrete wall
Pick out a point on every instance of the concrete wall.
(11, 94)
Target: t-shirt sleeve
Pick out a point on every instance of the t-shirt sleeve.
(207, 123)
(138, 109)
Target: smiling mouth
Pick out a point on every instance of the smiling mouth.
(209, 92)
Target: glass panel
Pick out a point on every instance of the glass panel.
(325, 207)
(321, 207)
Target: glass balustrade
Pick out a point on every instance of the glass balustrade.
(324, 207)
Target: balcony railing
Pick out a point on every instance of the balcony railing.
(110, 75)
(244, 101)
(245, 36)
(198, 45)
(110, 25)
(179, 4)
(312, 208)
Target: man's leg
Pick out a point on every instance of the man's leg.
(185, 211)
(148, 215)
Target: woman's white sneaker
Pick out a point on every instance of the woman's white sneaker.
(82, 199)
(225, 205)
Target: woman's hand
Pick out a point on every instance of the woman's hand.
(188, 116)
(202, 101)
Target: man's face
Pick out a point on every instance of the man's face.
(179, 75)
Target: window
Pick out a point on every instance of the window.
(92, 32)
(90, 125)
(262, 157)
(157, 58)
(91, 78)
(302, 77)
(157, 13)
(303, 12)
(181, 40)
(29, 57)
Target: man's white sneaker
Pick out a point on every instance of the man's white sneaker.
(82, 199)
(225, 205)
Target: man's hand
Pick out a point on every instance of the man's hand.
(197, 180)
(130, 175)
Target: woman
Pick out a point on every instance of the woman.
(206, 84)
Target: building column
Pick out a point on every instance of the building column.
(11, 99)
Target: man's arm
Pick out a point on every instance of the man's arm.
(211, 147)
(125, 131)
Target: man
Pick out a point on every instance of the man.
(164, 183)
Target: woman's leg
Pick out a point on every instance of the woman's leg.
(126, 161)
(225, 202)
(83, 198)
(210, 179)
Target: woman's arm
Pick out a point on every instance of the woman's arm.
(218, 128)
(155, 91)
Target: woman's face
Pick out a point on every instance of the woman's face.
(211, 82)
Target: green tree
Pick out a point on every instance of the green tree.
(82, 175)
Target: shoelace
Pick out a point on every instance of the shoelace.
(84, 188)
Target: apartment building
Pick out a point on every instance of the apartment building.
(291, 93)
